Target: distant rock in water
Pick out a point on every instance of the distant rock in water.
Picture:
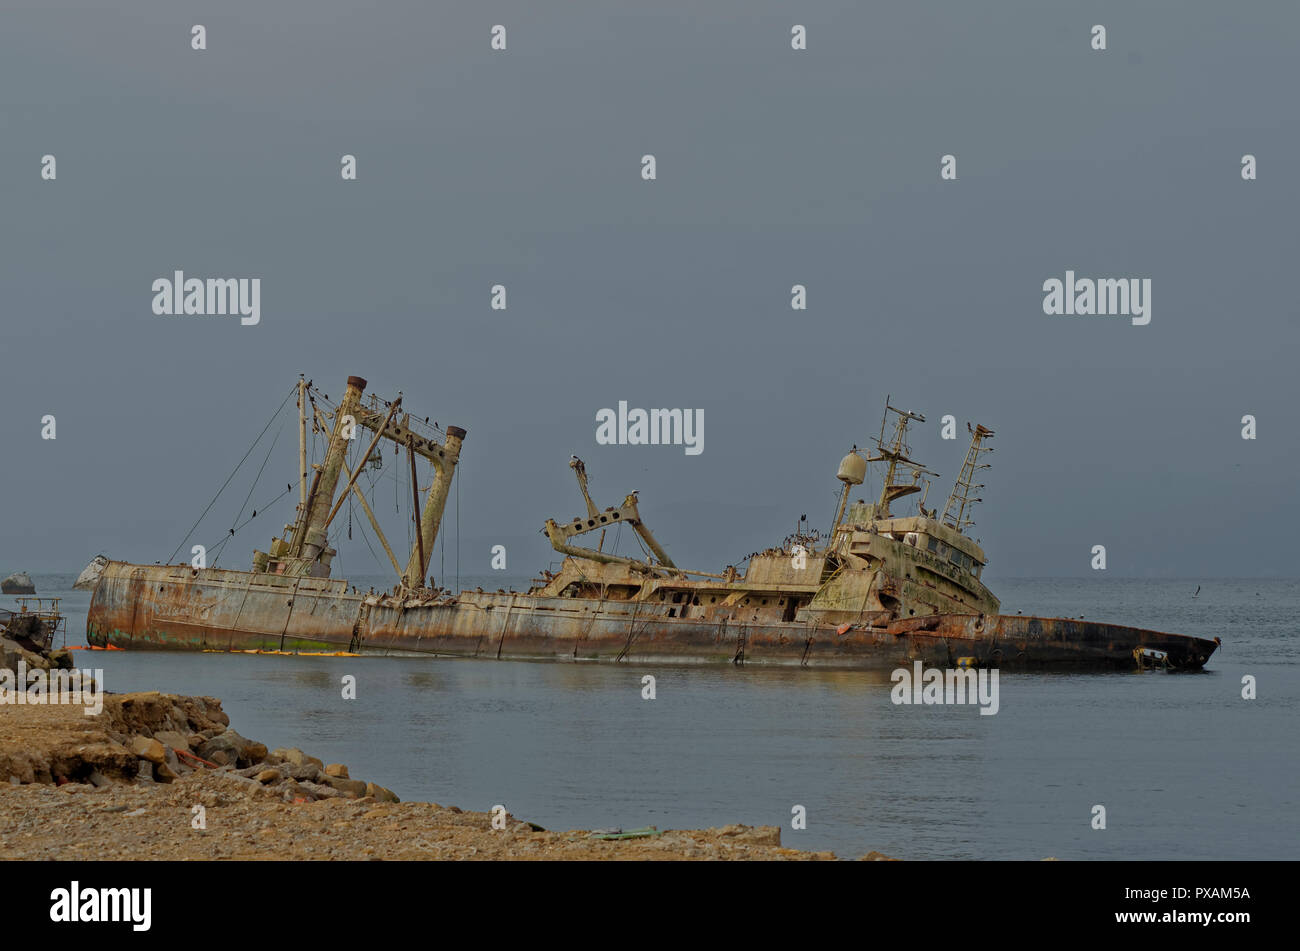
(89, 576)
(20, 582)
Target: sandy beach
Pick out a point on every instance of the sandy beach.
(113, 786)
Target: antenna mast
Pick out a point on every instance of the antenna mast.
(897, 453)
(962, 500)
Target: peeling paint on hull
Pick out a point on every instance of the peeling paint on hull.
(179, 608)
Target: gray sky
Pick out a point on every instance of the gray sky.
(775, 167)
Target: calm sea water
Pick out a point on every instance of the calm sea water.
(1184, 766)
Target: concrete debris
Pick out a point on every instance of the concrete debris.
(20, 582)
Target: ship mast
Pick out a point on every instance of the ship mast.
(444, 459)
(308, 543)
(580, 470)
(897, 452)
(302, 443)
(963, 498)
(306, 551)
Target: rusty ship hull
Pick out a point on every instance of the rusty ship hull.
(885, 589)
(180, 608)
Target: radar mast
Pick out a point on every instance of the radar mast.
(897, 453)
(962, 501)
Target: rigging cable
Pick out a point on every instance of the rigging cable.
(232, 474)
(251, 489)
(366, 538)
(456, 475)
(262, 508)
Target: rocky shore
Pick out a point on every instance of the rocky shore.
(157, 776)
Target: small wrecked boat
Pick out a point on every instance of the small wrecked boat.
(89, 576)
(882, 589)
(35, 624)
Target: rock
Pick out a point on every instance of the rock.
(173, 740)
(353, 788)
(145, 773)
(164, 773)
(89, 576)
(196, 740)
(337, 770)
(321, 792)
(753, 835)
(11, 652)
(296, 757)
(255, 752)
(61, 660)
(764, 835)
(385, 795)
(267, 776)
(236, 778)
(238, 750)
(97, 779)
(148, 748)
(306, 773)
(20, 582)
(148, 713)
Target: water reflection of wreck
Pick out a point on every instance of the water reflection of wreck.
(884, 589)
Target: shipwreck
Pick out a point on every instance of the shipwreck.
(883, 589)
